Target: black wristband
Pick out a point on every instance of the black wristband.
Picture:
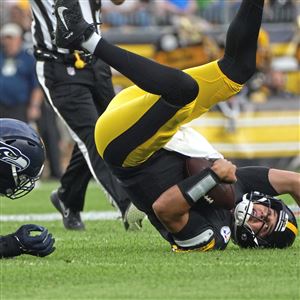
(9, 246)
(195, 187)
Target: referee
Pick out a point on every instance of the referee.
(78, 87)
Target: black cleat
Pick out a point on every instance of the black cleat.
(71, 28)
(71, 219)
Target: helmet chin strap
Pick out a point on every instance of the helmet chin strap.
(15, 174)
(40, 172)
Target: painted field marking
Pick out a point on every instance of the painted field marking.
(86, 216)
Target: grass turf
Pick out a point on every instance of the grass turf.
(104, 262)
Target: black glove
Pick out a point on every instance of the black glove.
(21, 242)
(37, 245)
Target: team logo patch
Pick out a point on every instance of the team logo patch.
(226, 233)
(13, 156)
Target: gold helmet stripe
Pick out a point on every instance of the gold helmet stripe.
(292, 227)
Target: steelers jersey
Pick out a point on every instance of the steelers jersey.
(146, 182)
(136, 123)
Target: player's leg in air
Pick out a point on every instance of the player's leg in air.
(238, 64)
(175, 88)
(146, 74)
(169, 97)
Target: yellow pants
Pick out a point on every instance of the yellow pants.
(136, 124)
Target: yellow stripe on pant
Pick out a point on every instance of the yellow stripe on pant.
(126, 115)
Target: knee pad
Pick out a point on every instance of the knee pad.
(184, 91)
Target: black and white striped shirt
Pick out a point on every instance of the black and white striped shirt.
(44, 22)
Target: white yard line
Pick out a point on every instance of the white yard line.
(86, 216)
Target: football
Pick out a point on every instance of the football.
(222, 195)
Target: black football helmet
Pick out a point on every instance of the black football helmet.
(283, 234)
(22, 157)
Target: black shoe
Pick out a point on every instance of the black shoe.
(133, 218)
(71, 219)
(71, 28)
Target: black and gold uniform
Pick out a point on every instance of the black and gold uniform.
(131, 133)
(135, 114)
(163, 170)
(140, 120)
(220, 222)
(137, 124)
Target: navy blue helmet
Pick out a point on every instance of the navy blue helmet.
(22, 157)
(283, 234)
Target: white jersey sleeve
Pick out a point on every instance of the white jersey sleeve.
(191, 143)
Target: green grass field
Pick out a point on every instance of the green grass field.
(105, 262)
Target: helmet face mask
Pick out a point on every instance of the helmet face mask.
(282, 233)
(21, 158)
(20, 186)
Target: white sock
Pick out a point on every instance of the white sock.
(91, 44)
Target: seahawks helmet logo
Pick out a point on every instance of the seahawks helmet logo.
(13, 156)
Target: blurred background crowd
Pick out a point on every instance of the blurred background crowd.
(181, 33)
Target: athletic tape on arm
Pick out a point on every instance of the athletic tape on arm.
(195, 187)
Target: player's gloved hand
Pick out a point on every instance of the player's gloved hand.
(37, 245)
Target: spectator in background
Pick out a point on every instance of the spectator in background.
(276, 84)
(133, 12)
(281, 11)
(271, 76)
(257, 90)
(5, 8)
(167, 10)
(203, 4)
(218, 11)
(173, 12)
(20, 14)
(179, 7)
(21, 98)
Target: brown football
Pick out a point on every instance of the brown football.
(222, 195)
